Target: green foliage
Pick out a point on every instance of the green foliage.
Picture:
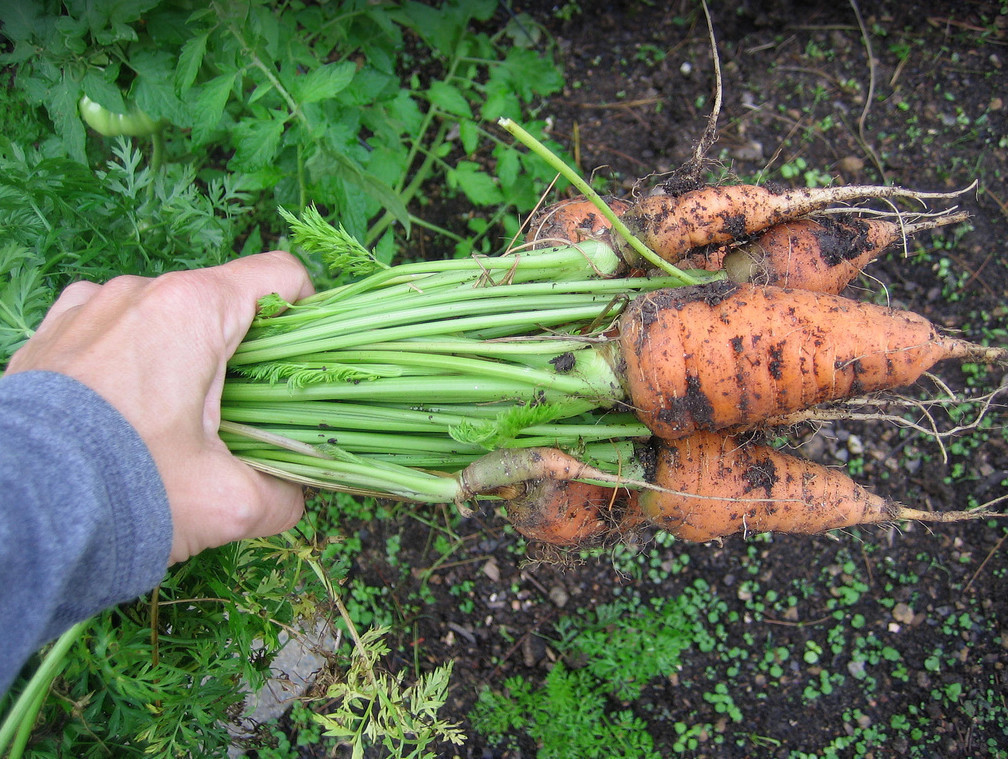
(218, 619)
(627, 644)
(373, 707)
(567, 718)
(62, 221)
(369, 112)
(619, 648)
(305, 103)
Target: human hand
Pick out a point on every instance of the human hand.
(156, 349)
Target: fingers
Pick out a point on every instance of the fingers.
(245, 280)
(74, 296)
(240, 503)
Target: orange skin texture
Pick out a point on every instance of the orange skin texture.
(824, 256)
(724, 486)
(561, 512)
(573, 221)
(722, 355)
(672, 225)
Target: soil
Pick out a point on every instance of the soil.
(928, 112)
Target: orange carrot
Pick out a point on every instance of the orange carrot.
(571, 221)
(713, 485)
(820, 254)
(720, 355)
(561, 512)
(673, 225)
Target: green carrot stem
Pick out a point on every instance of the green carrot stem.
(27, 705)
(585, 189)
(319, 338)
(367, 474)
(591, 259)
(408, 307)
(397, 390)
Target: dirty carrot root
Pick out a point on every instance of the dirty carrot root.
(571, 221)
(714, 485)
(820, 254)
(720, 355)
(561, 512)
(673, 225)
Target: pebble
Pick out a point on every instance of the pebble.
(491, 570)
(752, 150)
(850, 164)
(559, 596)
(903, 613)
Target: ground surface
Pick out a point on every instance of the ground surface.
(796, 78)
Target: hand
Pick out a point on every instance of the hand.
(156, 349)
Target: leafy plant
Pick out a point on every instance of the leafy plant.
(612, 651)
(373, 707)
(375, 113)
(306, 103)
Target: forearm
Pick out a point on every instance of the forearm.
(84, 518)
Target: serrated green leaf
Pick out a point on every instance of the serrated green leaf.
(508, 164)
(498, 432)
(449, 99)
(62, 108)
(208, 105)
(257, 139)
(469, 134)
(103, 92)
(477, 185)
(404, 109)
(20, 19)
(371, 185)
(333, 244)
(189, 61)
(500, 102)
(324, 82)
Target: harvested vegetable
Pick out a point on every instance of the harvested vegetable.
(561, 512)
(572, 221)
(722, 355)
(823, 254)
(674, 225)
(713, 485)
(542, 378)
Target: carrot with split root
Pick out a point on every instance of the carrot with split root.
(712, 485)
(721, 355)
(824, 254)
(673, 225)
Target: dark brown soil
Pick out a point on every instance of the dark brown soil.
(929, 112)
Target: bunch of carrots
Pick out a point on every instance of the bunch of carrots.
(604, 376)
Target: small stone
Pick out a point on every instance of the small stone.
(850, 164)
(855, 446)
(686, 68)
(903, 613)
(491, 570)
(752, 150)
(558, 595)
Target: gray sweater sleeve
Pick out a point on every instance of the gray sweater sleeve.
(84, 519)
